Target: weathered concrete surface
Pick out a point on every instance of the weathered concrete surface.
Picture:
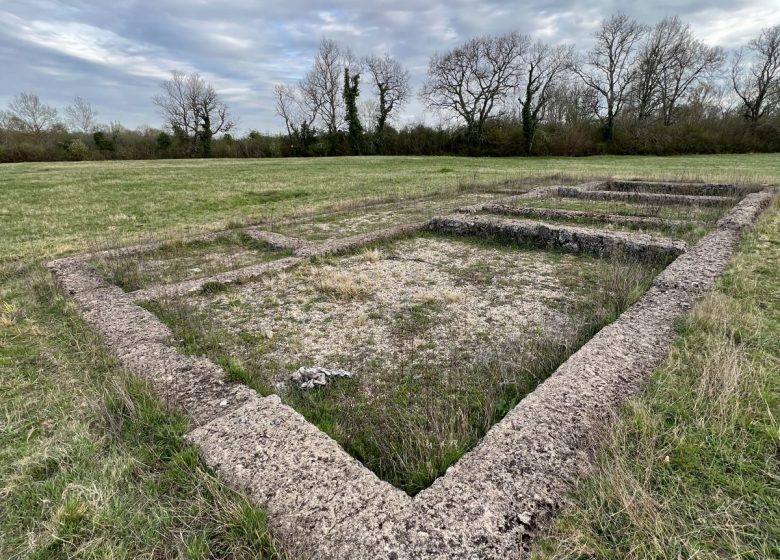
(645, 197)
(324, 504)
(555, 213)
(146, 347)
(566, 238)
(309, 485)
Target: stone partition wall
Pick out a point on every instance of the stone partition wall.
(565, 238)
(694, 189)
(645, 197)
(322, 503)
(557, 214)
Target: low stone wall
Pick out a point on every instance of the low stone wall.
(154, 245)
(489, 505)
(554, 213)
(185, 287)
(146, 347)
(336, 246)
(693, 189)
(645, 197)
(500, 495)
(566, 238)
(302, 249)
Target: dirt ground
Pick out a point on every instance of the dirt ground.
(421, 299)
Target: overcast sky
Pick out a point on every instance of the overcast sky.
(115, 53)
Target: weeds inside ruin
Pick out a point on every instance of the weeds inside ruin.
(183, 260)
(418, 412)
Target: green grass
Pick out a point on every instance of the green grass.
(57, 208)
(83, 475)
(691, 469)
(91, 465)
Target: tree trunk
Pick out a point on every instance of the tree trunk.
(529, 129)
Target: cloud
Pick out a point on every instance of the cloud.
(116, 54)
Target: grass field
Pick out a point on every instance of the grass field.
(92, 467)
(54, 208)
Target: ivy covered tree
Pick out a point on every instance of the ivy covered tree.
(351, 92)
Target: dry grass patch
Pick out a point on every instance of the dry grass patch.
(372, 255)
(339, 285)
(442, 296)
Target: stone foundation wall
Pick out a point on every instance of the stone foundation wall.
(565, 238)
(554, 213)
(693, 189)
(645, 198)
(322, 503)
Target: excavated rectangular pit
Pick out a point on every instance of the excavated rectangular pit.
(444, 332)
(443, 335)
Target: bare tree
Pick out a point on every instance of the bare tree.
(192, 108)
(213, 113)
(175, 104)
(81, 116)
(708, 100)
(291, 105)
(391, 81)
(369, 114)
(610, 66)
(474, 79)
(569, 102)
(652, 57)
(670, 63)
(755, 74)
(543, 66)
(321, 87)
(690, 62)
(28, 114)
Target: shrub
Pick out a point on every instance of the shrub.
(77, 150)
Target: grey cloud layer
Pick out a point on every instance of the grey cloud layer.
(115, 54)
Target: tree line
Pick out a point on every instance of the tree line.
(639, 89)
